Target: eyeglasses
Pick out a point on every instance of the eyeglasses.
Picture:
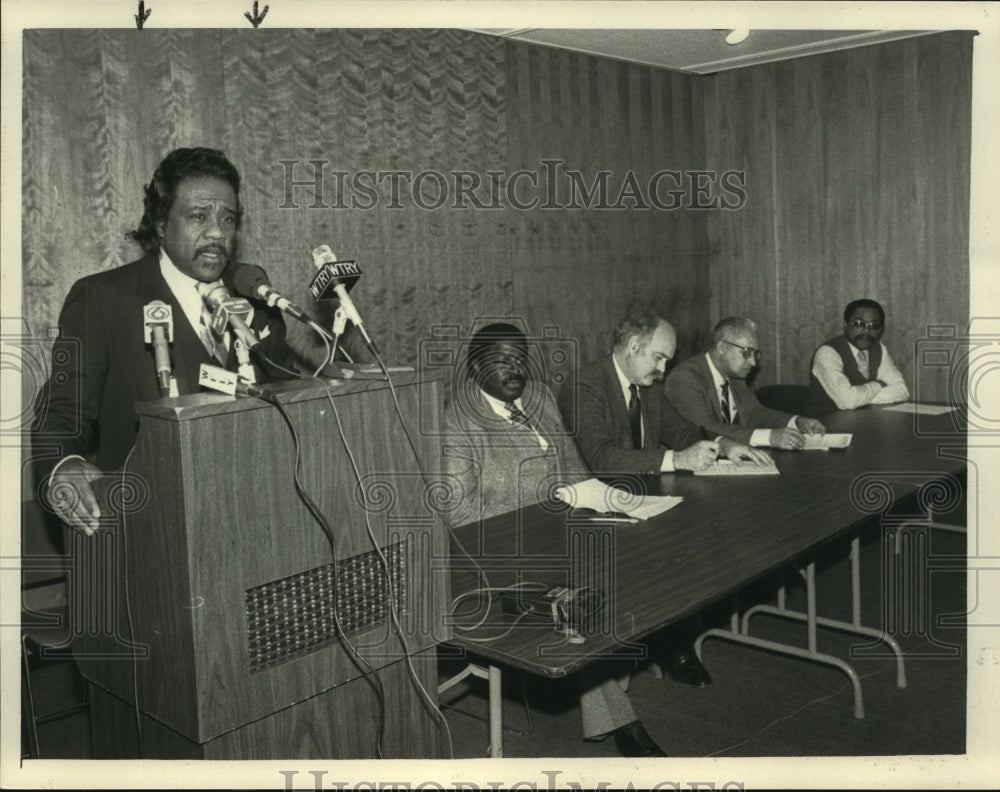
(861, 324)
(747, 352)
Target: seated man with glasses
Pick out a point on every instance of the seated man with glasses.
(623, 423)
(710, 390)
(854, 369)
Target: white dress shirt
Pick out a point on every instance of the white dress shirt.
(828, 368)
(185, 290)
(500, 408)
(667, 464)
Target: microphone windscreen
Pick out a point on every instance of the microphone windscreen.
(213, 293)
(331, 274)
(247, 278)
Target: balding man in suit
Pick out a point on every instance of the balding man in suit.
(623, 423)
(711, 390)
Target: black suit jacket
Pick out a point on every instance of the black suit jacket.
(594, 409)
(101, 365)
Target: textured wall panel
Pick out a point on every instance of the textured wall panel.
(856, 174)
(581, 268)
(858, 177)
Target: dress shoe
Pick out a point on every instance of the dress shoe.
(632, 739)
(685, 667)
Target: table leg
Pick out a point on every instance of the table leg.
(813, 621)
(496, 713)
(931, 524)
(494, 679)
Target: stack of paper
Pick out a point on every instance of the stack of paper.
(919, 409)
(726, 467)
(598, 496)
(827, 441)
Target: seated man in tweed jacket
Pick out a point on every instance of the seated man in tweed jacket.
(506, 447)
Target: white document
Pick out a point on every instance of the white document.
(919, 409)
(726, 467)
(827, 441)
(651, 505)
(596, 495)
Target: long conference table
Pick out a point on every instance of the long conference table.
(728, 532)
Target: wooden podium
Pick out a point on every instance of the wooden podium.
(214, 614)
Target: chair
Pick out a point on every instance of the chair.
(45, 623)
(787, 398)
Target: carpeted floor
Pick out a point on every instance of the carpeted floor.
(760, 704)
(764, 704)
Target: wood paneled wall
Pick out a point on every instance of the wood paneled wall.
(102, 108)
(856, 175)
(586, 267)
(858, 186)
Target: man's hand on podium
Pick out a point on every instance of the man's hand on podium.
(72, 496)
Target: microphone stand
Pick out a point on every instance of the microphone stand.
(339, 325)
(246, 369)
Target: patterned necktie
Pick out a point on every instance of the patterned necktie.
(635, 416)
(519, 417)
(215, 346)
(727, 416)
(863, 362)
(516, 415)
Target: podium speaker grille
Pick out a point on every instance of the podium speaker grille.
(293, 616)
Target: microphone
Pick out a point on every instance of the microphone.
(229, 311)
(334, 279)
(158, 330)
(251, 281)
(224, 381)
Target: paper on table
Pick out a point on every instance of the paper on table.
(827, 441)
(651, 505)
(726, 467)
(596, 495)
(919, 409)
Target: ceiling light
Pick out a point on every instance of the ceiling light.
(737, 36)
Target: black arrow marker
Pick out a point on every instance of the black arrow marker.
(143, 15)
(256, 19)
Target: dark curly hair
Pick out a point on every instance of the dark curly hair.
(161, 192)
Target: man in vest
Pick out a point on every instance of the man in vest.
(854, 369)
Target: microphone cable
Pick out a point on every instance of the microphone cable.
(370, 675)
(394, 616)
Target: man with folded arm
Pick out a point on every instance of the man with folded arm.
(855, 369)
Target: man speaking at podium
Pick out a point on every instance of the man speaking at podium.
(189, 233)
